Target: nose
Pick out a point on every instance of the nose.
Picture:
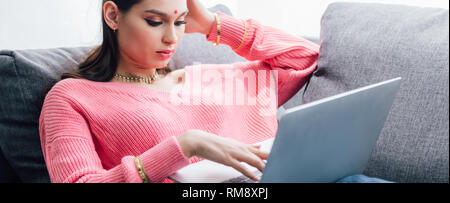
(170, 36)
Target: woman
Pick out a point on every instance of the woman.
(115, 120)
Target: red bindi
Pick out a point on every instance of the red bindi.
(176, 11)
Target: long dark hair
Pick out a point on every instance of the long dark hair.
(101, 63)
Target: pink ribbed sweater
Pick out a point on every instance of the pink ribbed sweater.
(91, 131)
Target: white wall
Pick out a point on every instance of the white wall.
(29, 24)
(33, 24)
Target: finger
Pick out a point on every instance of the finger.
(261, 154)
(241, 168)
(251, 159)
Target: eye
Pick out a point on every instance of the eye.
(180, 23)
(153, 23)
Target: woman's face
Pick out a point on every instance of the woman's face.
(149, 27)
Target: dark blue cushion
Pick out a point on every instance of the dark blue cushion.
(24, 76)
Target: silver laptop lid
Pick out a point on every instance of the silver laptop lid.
(331, 138)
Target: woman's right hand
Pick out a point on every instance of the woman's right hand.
(225, 151)
(199, 19)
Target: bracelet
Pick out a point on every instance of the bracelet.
(218, 29)
(141, 170)
(243, 37)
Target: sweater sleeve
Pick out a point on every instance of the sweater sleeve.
(70, 155)
(268, 48)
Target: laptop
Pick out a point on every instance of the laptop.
(318, 142)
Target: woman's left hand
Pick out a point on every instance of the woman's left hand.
(199, 19)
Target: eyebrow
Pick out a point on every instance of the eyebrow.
(163, 14)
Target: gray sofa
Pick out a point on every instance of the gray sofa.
(361, 44)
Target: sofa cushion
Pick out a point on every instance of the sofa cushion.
(26, 73)
(362, 44)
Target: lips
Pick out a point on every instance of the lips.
(165, 52)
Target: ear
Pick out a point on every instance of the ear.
(111, 14)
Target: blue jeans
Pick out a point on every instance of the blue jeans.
(361, 179)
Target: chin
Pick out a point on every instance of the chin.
(160, 65)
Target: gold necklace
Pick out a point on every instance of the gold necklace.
(147, 80)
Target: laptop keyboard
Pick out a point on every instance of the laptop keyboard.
(244, 179)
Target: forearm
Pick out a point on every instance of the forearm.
(254, 41)
(293, 58)
(72, 160)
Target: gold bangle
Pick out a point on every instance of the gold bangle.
(243, 37)
(216, 16)
(141, 170)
